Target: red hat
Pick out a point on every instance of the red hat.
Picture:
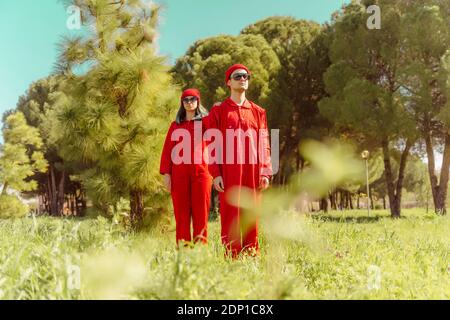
(191, 92)
(233, 68)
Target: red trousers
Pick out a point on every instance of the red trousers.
(240, 226)
(191, 193)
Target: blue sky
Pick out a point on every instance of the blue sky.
(30, 29)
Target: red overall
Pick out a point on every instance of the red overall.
(190, 185)
(238, 232)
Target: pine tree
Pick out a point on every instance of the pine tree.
(21, 156)
(114, 117)
(365, 87)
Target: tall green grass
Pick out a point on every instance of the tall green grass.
(340, 255)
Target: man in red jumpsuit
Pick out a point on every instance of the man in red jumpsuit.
(244, 165)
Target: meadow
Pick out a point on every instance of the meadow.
(338, 255)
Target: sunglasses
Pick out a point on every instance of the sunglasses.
(239, 76)
(190, 100)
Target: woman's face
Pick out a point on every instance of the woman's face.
(190, 103)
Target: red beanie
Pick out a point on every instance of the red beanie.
(233, 68)
(191, 92)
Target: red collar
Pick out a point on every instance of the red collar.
(246, 103)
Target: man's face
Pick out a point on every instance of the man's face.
(239, 80)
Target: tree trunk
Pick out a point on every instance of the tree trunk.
(47, 196)
(5, 187)
(339, 193)
(297, 161)
(136, 207)
(395, 189)
(350, 198)
(438, 190)
(431, 165)
(61, 193)
(77, 203)
(73, 209)
(332, 197)
(371, 201)
(40, 204)
(441, 199)
(53, 194)
(83, 203)
(324, 204)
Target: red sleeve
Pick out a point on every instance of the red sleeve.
(265, 163)
(212, 122)
(165, 166)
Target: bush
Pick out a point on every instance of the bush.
(158, 211)
(12, 207)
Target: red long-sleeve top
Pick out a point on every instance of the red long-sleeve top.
(229, 115)
(171, 157)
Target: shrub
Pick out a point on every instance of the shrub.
(12, 207)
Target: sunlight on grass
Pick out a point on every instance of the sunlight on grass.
(40, 259)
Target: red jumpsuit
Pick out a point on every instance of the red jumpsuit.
(238, 233)
(190, 184)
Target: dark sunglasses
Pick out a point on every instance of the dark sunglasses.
(190, 100)
(239, 76)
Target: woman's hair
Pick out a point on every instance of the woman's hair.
(200, 112)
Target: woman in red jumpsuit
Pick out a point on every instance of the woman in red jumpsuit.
(185, 176)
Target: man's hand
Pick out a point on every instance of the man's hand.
(264, 183)
(168, 182)
(218, 184)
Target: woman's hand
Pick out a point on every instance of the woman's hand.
(264, 183)
(218, 184)
(168, 182)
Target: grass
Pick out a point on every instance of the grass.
(340, 255)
